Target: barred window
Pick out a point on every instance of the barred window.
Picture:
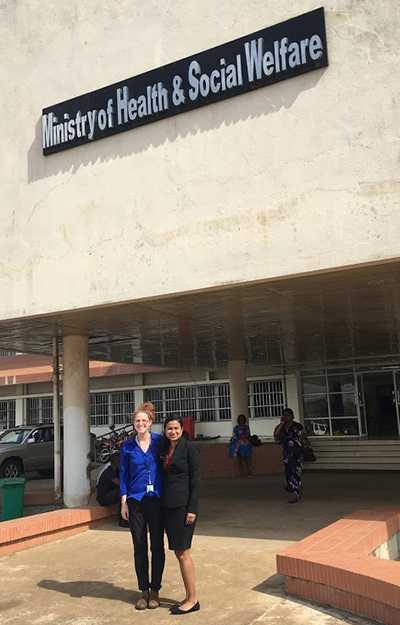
(156, 396)
(32, 411)
(112, 408)
(99, 409)
(180, 400)
(224, 401)
(39, 410)
(7, 414)
(105, 408)
(47, 410)
(122, 407)
(207, 409)
(204, 402)
(266, 398)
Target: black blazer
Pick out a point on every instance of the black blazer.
(182, 479)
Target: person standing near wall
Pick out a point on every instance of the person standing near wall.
(141, 491)
(180, 500)
(289, 433)
(241, 446)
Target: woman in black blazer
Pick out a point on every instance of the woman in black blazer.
(180, 500)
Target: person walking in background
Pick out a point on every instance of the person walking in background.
(141, 491)
(180, 501)
(288, 433)
(241, 447)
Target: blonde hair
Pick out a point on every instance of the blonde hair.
(148, 408)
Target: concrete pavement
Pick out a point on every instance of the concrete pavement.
(88, 579)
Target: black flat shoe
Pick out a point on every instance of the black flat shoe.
(175, 610)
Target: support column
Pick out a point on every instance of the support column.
(139, 396)
(138, 380)
(76, 421)
(238, 389)
(19, 406)
(56, 421)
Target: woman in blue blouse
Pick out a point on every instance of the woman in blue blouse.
(141, 490)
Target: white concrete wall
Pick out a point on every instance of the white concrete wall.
(296, 177)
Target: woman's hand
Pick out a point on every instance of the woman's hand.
(190, 518)
(124, 510)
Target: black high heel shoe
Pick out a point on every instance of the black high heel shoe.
(175, 610)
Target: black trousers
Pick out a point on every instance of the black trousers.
(143, 515)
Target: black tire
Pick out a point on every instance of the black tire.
(103, 455)
(11, 468)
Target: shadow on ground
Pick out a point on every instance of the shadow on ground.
(96, 589)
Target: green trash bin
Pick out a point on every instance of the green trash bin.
(12, 494)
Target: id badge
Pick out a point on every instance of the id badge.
(150, 488)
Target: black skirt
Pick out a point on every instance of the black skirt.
(178, 532)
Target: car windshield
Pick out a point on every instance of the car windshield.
(13, 436)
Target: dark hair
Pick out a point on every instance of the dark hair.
(288, 412)
(166, 443)
(242, 416)
(172, 418)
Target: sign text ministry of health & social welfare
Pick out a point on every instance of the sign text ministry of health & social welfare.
(263, 58)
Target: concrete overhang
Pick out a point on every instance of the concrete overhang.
(341, 316)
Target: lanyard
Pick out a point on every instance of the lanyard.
(145, 455)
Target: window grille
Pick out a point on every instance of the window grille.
(7, 414)
(105, 408)
(207, 410)
(40, 410)
(46, 410)
(224, 400)
(204, 402)
(99, 409)
(122, 407)
(37, 409)
(112, 408)
(266, 398)
(156, 396)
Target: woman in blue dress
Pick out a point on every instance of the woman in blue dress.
(241, 446)
(289, 434)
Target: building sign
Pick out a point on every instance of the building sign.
(263, 58)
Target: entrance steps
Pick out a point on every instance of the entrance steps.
(358, 454)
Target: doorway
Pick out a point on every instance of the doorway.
(381, 410)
